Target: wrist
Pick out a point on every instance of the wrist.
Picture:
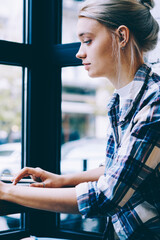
(57, 181)
(70, 180)
(4, 189)
(63, 180)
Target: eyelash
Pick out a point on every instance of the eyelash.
(87, 42)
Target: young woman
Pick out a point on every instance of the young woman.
(114, 36)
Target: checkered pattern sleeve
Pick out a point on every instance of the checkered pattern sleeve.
(134, 160)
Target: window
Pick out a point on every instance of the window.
(11, 82)
(11, 20)
(83, 133)
(10, 107)
(70, 12)
(13, 85)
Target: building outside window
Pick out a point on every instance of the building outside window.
(11, 29)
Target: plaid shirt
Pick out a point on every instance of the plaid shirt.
(129, 191)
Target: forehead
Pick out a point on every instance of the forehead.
(88, 25)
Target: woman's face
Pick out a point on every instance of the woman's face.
(96, 48)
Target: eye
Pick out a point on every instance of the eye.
(87, 42)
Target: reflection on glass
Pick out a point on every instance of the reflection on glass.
(10, 222)
(10, 131)
(11, 20)
(70, 13)
(84, 113)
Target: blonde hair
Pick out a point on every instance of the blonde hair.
(134, 14)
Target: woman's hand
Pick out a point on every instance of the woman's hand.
(41, 177)
(46, 179)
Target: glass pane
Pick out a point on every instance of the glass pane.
(10, 131)
(10, 222)
(84, 116)
(11, 20)
(70, 13)
(154, 56)
(83, 132)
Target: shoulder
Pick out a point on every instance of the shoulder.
(154, 83)
(146, 121)
(149, 106)
(152, 92)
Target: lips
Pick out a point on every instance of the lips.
(86, 65)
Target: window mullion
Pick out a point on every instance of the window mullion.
(44, 101)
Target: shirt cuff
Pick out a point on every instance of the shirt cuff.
(86, 199)
(82, 198)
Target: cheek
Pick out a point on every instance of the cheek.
(104, 52)
(104, 58)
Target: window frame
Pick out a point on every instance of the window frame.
(17, 54)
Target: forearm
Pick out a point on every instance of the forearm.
(86, 176)
(50, 199)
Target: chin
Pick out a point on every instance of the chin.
(94, 75)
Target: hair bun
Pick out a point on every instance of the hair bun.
(148, 3)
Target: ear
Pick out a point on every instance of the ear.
(123, 34)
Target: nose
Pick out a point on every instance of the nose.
(81, 53)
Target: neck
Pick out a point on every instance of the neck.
(126, 72)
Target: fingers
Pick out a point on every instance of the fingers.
(40, 185)
(25, 172)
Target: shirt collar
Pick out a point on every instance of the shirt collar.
(139, 77)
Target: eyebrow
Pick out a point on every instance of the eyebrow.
(84, 33)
